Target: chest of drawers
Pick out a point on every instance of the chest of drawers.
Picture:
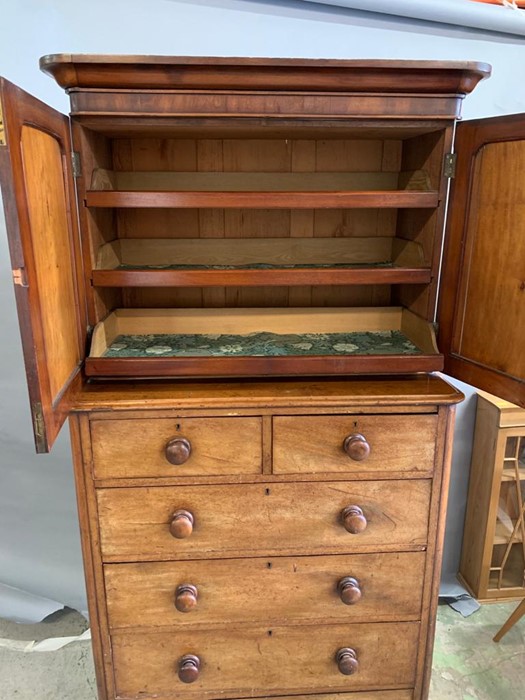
(266, 539)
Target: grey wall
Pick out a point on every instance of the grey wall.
(39, 545)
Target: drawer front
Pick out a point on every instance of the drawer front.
(372, 695)
(207, 446)
(350, 588)
(273, 518)
(308, 444)
(266, 660)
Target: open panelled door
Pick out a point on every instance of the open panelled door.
(482, 297)
(40, 212)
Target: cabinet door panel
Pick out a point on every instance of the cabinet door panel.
(482, 310)
(40, 213)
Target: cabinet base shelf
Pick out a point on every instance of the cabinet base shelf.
(261, 342)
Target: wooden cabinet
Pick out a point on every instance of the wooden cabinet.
(493, 557)
(215, 585)
(228, 273)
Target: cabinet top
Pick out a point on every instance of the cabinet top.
(358, 392)
(81, 71)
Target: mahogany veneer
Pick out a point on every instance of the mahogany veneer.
(227, 523)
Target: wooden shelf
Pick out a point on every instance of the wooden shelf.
(280, 190)
(264, 200)
(258, 278)
(503, 534)
(509, 474)
(170, 325)
(281, 261)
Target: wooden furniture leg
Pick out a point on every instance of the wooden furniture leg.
(516, 615)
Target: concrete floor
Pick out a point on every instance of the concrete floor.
(467, 664)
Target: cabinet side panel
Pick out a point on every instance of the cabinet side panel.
(88, 520)
(97, 226)
(437, 521)
(481, 494)
(425, 226)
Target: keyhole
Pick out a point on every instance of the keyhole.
(522, 286)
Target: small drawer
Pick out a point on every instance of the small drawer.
(346, 443)
(252, 661)
(176, 447)
(280, 590)
(201, 522)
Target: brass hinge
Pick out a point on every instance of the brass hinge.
(38, 422)
(449, 169)
(20, 277)
(3, 140)
(75, 164)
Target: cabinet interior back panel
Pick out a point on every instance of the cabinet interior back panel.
(256, 155)
(194, 297)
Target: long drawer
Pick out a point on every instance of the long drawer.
(127, 448)
(262, 660)
(280, 590)
(136, 524)
(372, 695)
(348, 444)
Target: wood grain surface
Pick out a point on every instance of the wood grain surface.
(257, 518)
(277, 590)
(241, 662)
(373, 695)
(40, 209)
(349, 394)
(480, 315)
(137, 448)
(306, 444)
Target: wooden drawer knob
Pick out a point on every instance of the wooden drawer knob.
(189, 668)
(181, 525)
(349, 590)
(186, 597)
(356, 447)
(347, 661)
(178, 450)
(354, 520)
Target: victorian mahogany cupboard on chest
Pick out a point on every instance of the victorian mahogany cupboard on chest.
(227, 275)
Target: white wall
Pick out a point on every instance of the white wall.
(39, 545)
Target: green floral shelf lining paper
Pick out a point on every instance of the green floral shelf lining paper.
(259, 266)
(261, 344)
